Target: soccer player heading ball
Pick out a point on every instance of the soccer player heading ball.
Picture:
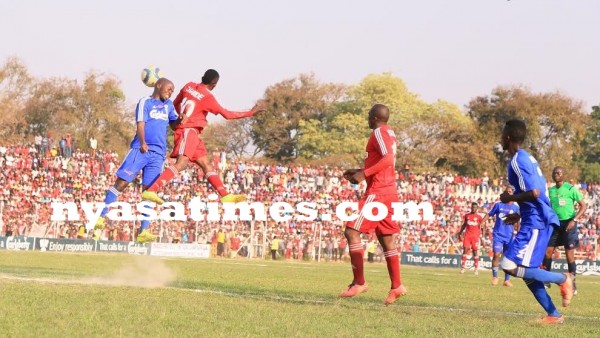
(193, 103)
(152, 115)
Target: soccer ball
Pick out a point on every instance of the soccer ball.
(150, 75)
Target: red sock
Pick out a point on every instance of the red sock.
(393, 265)
(476, 259)
(357, 254)
(215, 181)
(165, 177)
(463, 261)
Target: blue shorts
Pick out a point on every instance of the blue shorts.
(560, 237)
(500, 244)
(529, 246)
(150, 163)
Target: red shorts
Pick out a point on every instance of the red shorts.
(384, 227)
(470, 242)
(187, 142)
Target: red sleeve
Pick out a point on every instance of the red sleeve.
(385, 144)
(177, 101)
(214, 107)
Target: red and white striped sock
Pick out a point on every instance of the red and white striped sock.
(216, 182)
(165, 177)
(357, 254)
(393, 265)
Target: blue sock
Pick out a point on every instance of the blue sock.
(495, 271)
(111, 196)
(540, 275)
(541, 295)
(506, 277)
(145, 224)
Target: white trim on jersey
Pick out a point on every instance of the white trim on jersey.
(140, 110)
(379, 138)
(530, 247)
(361, 216)
(515, 166)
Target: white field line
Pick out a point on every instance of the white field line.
(294, 300)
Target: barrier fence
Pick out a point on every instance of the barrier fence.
(584, 267)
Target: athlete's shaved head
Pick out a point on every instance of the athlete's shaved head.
(381, 112)
(378, 115)
(163, 89)
(162, 81)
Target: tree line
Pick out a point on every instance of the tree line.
(308, 121)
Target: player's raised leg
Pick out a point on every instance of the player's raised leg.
(213, 178)
(131, 166)
(527, 241)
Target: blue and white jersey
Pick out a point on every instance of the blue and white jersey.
(524, 174)
(500, 211)
(157, 115)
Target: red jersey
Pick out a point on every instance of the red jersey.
(472, 220)
(201, 102)
(379, 164)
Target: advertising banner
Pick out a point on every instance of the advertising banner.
(17, 243)
(180, 250)
(584, 267)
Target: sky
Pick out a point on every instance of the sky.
(442, 49)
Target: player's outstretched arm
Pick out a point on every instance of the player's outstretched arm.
(216, 108)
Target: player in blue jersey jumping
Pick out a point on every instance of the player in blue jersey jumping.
(153, 114)
(502, 234)
(525, 254)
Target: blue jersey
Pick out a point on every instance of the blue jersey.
(524, 174)
(500, 210)
(157, 115)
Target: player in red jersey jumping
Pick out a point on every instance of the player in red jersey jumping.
(193, 103)
(380, 176)
(471, 222)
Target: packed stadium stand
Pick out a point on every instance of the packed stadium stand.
(33, 176)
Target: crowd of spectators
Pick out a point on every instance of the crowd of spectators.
(33, 176)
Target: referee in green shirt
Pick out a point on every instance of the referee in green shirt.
(563, 197)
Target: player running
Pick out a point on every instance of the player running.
(193, 103)
(502, 234)
(379, 173)
(472, 223)
(526, 252)
(148, 148)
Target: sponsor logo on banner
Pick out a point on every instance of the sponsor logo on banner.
(44, 242)
(65, 245)
(17, 243)
(180, 250)
(138, 249)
